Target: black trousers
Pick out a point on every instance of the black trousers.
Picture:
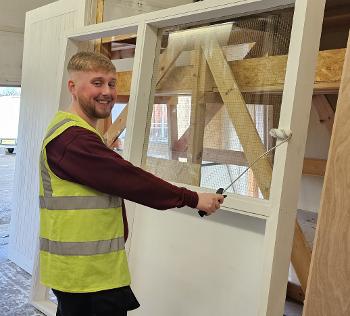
(114, 302)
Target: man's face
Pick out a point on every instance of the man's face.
(94, 91)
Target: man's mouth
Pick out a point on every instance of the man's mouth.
(103, 101)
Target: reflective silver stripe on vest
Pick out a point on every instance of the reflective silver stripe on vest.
(70, 202)
(56, 127)
(88, 248)
(45, 176)
(79, 202)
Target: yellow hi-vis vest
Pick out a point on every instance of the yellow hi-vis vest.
(81, 230)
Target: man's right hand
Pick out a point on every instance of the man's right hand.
(209, 202)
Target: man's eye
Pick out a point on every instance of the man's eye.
(112, 84)
(97, 83)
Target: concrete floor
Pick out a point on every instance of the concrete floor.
(14, 282)
(7, 168)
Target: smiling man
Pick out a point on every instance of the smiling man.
(83, 224)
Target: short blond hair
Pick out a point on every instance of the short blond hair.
(90, 61)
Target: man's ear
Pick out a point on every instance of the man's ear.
(71, 86)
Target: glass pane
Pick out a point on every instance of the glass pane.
(218, 93)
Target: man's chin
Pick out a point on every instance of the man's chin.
(102, 115)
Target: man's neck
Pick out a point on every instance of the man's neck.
(77, 111)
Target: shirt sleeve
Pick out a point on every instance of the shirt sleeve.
(80, 156)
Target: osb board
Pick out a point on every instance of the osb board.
(252, 75)
(124, 82)
(328, 284)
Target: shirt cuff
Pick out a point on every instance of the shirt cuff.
(190, 198)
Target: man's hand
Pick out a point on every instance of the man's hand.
(209, 202)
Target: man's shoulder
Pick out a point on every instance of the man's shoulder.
(75, 134)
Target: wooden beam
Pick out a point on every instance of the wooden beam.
(117, 127)
(123, 53)
(253, 187)
(295, 293)
(249, 98)
(120, 38)
(122, 98)
(301, 252)
(198, 108)
(219, 156)
(324, 110)
(301, 256)
(311, 167)
(328, 284)
(336, 17)
(332, 99)
(225, 156)
(99, 19)
(314, 167)
(105, 49)
(238, 112)
(102, 124)
(253, 75)
(172, 125)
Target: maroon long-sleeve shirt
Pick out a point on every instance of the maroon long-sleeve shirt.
(78, 155)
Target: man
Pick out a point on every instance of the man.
(83, 225)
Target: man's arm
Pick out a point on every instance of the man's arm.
(79, 155)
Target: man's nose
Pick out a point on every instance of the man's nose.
(106, 89)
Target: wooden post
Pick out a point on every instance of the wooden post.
(172, 126)
(328, 284)
(198, 108)
(324, 110)
(237, 109)
(103, 124)
(99, 19)
(253, 187)
(301, 256)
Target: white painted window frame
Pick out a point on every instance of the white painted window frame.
(280, 210)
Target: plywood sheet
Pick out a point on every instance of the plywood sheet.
(328, 284)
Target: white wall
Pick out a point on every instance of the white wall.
(11, 50)
(317, 146)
